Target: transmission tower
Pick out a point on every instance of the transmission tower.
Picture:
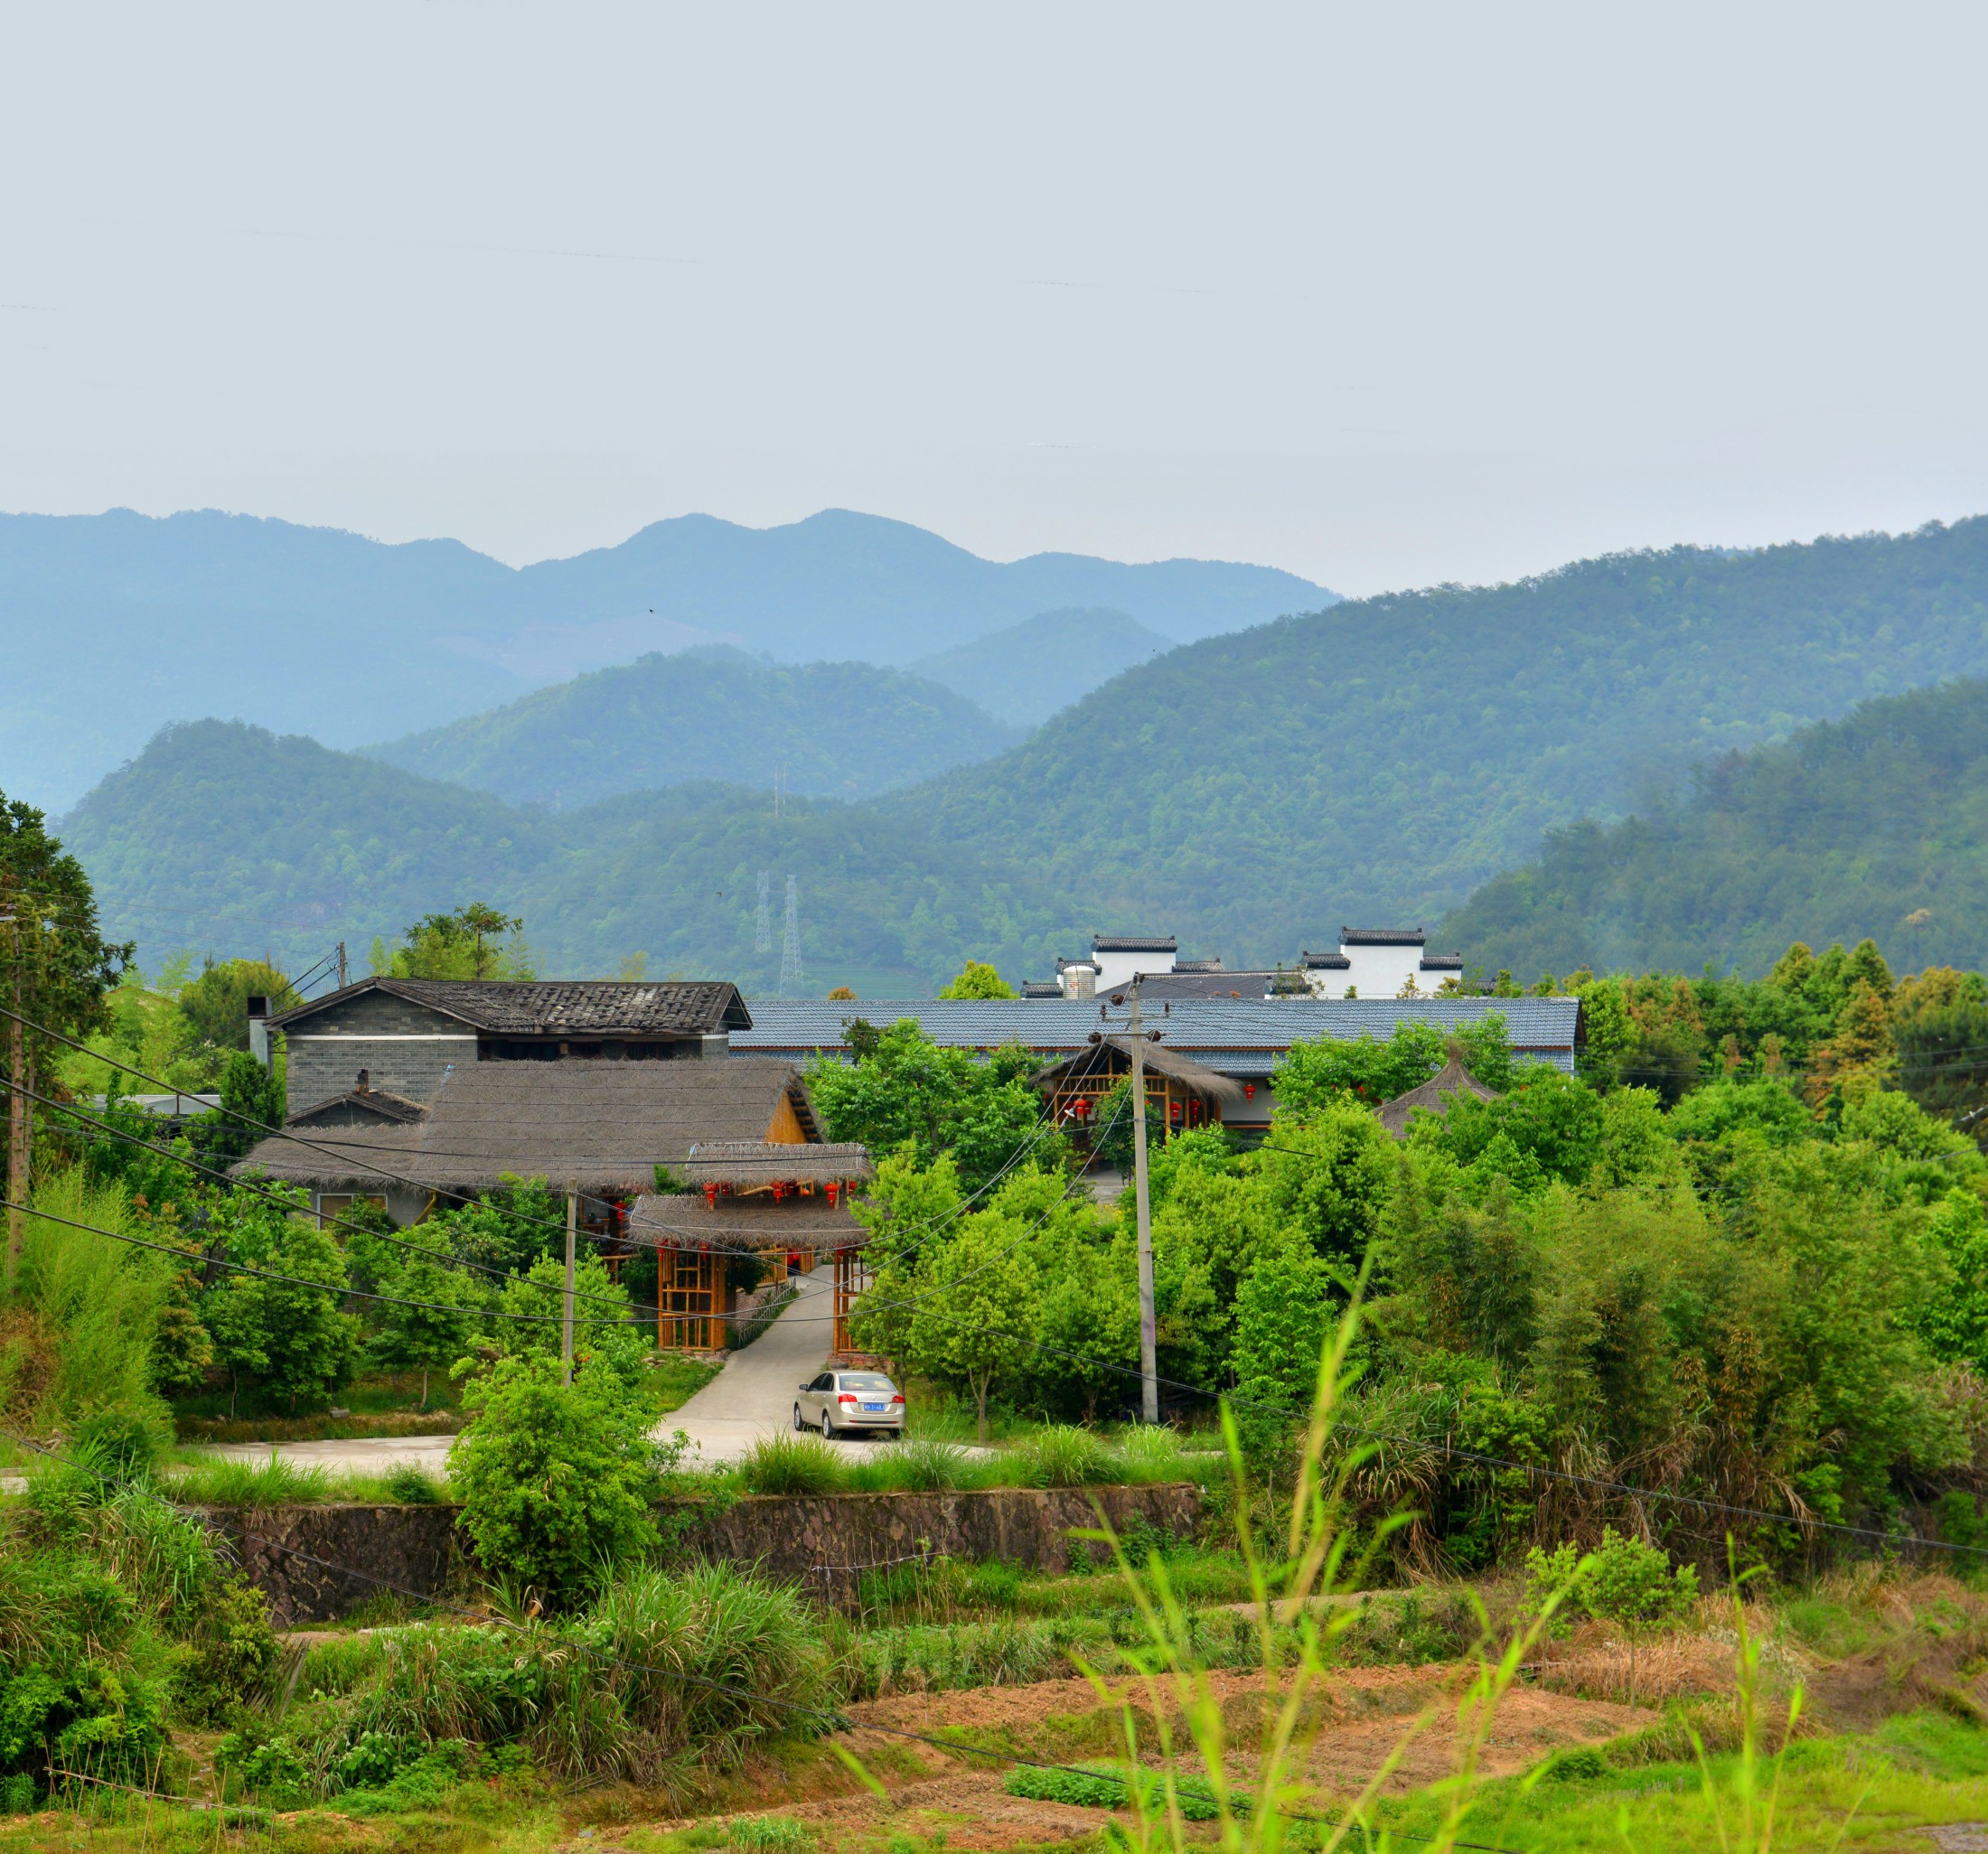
(763, 935)
(790, 947)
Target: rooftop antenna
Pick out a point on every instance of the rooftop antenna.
(762, 932)
(790, 946)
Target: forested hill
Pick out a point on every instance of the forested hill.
(1876, 825)
(1378, 761)
(116, 624)
(1025, 673)
(837, 730)
(225, 836)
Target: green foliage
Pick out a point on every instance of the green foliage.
(978, 980)
(510, 1228)
(215, 1005)
(603, 1335)
(1098, 1785)
(1285, 1310)
(1822, 834)
(1319, 1070)
(251, 1103)
(1549, 1127)
(768, 1834)
(475, 941)
(1633, 1585)
(431, 1320)
(289, 1336)
(555, 1480)
(906, 1091)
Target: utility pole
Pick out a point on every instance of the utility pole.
(1149, 1341)
(17, 1102)
(566, 1309)
(342, 964)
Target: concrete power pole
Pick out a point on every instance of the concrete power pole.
(342, 964)
(17, 1103)
(566, 1304)
(1149, 1343)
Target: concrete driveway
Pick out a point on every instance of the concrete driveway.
(751, 1398)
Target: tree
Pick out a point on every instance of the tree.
(1859, 1059)
(556, 1481)
(476, 941)
(290, 1335)
(216, 1003)
(56, 970)
(1632, 1585)
(432, 1319)
(977, 1313)
(978, 979)
(1284, 1315)
(602, 1329)
(251, 1100)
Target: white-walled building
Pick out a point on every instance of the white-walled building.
(1379, 963)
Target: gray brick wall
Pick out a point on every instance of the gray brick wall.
(403, 1047)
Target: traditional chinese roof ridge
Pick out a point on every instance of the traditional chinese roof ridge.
(1134, 942)
(1442, 963)
(559, 1006)
(1433, 1096)
(1326, 962)
(1166, 988)
(1041, 987)
(1213, 964)
(688, 1221)
(1063, 965)
(377, 1101)
(748, 1164)
(1382, 936)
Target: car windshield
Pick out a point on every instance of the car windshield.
(865, 1380)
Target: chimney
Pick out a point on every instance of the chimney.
(365, 1083)
(259, 1027)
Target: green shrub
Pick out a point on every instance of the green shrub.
(556, 1481)
(769, 1834)
(1108, 1786)
(792, 1464)
(413, 1486)
(231, 1655)
(1064, 1455)
(122, 1440)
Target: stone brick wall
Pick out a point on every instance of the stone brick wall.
(394, 1041)
(292, 1554)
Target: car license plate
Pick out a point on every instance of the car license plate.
(877, 1407)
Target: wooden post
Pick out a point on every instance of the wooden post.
(566, 1311)
(1149, 1331)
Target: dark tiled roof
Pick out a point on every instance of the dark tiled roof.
(1041, 987)
(563, 1007)
(1327, 963)
(1133, 942)
(687, 1222)
(1380, 936)
(1180, 983)
(1210, 965)
(1442, 963)
(608, 1125)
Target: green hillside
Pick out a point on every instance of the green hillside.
(839, 730)
(1025, 673)
(1378, 761)
(226, 838)
(1876, 825)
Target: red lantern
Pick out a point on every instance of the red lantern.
(710, 1197)
(834, 1188)
(1249, 1091)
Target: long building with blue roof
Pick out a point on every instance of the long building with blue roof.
(1243, 1039)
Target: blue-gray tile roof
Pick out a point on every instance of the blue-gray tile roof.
(1235, 1035)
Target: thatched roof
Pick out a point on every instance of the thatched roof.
(742, 1223)
(1113, 1056)
(746, 1165)
(1433, 1096)
(606, 1125)
(559, 1007)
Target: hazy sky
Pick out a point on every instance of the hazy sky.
(1452, 293)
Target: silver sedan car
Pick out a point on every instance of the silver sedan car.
(834, 1402)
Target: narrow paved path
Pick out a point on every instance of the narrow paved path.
(751, 1398)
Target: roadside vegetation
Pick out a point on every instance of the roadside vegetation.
(1739, 1265)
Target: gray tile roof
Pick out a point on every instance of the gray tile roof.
(1235, 1035)
(1134, 942)
(1380, 936)
(1327, 961)
(564, 1006)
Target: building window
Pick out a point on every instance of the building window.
(333, 1206)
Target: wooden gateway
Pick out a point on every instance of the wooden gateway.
(1180, 1093)
(779, 1203)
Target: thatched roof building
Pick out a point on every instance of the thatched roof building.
(1433, 1096)
(605, 1125)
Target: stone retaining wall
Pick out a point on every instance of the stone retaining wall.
(296, 1554)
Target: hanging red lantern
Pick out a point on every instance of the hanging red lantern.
(834, 1190)
(710, 1197)
(1249, 1091)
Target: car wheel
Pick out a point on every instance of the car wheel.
(828, 1428)
(798, 1424)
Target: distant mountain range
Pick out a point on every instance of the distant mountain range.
(1373, 765)
(1875, 825)
(116, 624)
(832, 730)
(1025, 673)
